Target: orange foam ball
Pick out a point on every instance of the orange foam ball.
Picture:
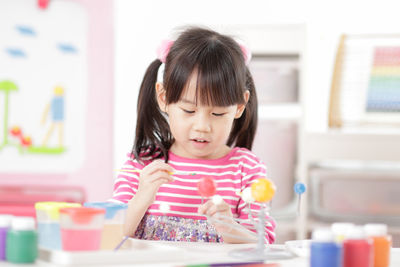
(263, 190)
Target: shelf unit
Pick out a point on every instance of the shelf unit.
(368, 145)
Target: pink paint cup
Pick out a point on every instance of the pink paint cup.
(81, 228)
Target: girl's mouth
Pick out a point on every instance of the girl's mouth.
(199, 140)
(199, 143)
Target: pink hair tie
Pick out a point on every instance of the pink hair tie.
(246, 52)
(163, 50)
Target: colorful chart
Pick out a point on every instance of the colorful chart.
(384, 84)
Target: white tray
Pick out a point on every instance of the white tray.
(139, 252)
(300, 248)
(149, 252)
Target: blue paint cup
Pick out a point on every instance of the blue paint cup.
(113, 225)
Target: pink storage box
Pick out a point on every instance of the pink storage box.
(20, 200)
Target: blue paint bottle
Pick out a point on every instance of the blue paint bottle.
(324, 251)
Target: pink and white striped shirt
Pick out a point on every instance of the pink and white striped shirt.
(232, 174)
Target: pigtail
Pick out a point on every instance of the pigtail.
(152, 129)
(244, 128)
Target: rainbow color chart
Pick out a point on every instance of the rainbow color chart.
(384, 84)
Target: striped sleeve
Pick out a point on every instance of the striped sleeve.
(126, 183)
(253, 168)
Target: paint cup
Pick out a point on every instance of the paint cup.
(48, 223)
(81, 228)
(112, 233)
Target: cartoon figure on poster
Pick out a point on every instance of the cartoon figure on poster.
(15, 136)
(55, 110)
(12, 136)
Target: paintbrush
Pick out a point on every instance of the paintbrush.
(171, 173)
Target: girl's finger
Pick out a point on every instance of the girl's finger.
(223, 207)
(162, 165)
(212, 210)
(160, 175)
(161, 181)
(166, 180)
(156, 166)
(203, 209)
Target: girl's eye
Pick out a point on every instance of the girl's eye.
(188, 111)
(218, 114)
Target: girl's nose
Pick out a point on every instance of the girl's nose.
(202, 123)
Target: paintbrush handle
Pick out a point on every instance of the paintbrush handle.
(181, 173)
(122, 170)
(121, 243)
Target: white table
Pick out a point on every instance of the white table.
(153, 253)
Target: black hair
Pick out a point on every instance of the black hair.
(222, 80)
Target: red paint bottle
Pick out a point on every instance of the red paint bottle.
(357, 249)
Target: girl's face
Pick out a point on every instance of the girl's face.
(200, 131)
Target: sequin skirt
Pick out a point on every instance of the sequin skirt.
(168, 228)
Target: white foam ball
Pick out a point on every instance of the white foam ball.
(217, 199)
(246, 195)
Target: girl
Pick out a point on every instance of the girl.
(197, 116)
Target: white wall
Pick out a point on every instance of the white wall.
(140, 25)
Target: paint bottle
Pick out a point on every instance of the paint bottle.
(340, 229)
(22, 241)
(324, 251)
(48, 223)
(5, 223)
(357, 249)
(382, 243)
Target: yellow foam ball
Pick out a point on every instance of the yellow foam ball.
(263, 190)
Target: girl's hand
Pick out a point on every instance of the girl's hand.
(213, 210)
(151, 178)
